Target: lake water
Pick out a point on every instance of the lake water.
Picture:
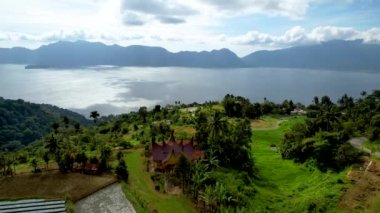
(113, 90)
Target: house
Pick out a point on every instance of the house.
(165, 154)
(298, 112)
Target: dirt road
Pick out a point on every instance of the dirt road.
(108, 200)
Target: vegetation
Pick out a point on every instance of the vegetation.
(22, 122)
(322, 139)
(285, 186)
(256, 156)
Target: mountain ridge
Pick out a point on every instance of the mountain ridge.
(336, 54)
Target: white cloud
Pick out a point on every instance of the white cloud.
(165, 11)
(289, 8)
(299, 36)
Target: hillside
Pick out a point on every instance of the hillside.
(337, 55)
(22, 122)
(82, 53)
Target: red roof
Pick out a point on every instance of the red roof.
(160, 152)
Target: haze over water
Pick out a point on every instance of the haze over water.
(113, 90)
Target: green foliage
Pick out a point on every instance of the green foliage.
(22, 122)
(122, 170)
(182, 170)
(94, 115)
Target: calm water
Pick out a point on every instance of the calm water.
(117, 90)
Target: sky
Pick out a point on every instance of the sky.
(244, 26)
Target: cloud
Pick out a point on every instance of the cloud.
(165, 11)
(131, 18)
(326, 33)
(289, 8)
(299, 36)
(170, 20)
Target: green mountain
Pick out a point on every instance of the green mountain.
(22, 122)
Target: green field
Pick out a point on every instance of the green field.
(285, 186)
(140, 190)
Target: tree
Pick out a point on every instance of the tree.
(182, 170)
(94, 115)
(143, 112)
(122, 170)
(66, 121)
(46, 159)
(77, 127)
(55, 127)
(34, 164)
(81, 158)
(52, 145)
(105, 154)
(119, 155)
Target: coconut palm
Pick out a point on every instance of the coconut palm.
(94, 115)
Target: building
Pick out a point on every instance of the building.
(165, 154)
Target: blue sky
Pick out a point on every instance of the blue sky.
(243, 26)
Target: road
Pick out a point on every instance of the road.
(358, 143)
(108, 200)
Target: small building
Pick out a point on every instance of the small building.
(298, 112)
(165, 154)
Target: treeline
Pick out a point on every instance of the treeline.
(22, 122)
(322, 139)
(237, 106)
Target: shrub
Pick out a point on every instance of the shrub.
(122, 171)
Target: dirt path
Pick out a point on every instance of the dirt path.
(358, 143)
(364, 192)
(108, 200)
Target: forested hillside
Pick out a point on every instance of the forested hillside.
(22, 122)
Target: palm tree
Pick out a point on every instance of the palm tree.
(94, 115)
(217, 125)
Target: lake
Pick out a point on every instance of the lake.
(114, 90)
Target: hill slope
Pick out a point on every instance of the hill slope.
(350, 55)
(337, 55)
(22, 122)
(82, 53)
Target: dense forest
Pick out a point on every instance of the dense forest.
(227, 178)
(22, 122)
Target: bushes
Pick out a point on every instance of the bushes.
(330, 150)
(122, 171)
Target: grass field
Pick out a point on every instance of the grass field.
(140, 190)
(52, 185)
(264, 122)
(285, 186)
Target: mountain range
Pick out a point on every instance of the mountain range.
(337, 54)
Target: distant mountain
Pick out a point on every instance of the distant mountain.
(22, 122)
(82, 53)
(341, 55)
(345, 55)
